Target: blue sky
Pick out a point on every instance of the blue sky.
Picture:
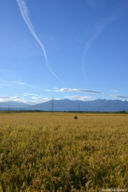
(73, 49)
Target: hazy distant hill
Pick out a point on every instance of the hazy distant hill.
(96, 105)
(12, 105)
(69, 105)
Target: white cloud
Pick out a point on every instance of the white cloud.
(48, 90)
(33, 100)
(15, 98)
(115, 90)
(36, 100)
(122, 97)
(62, 90)
(4, 99)
(21, 83)
(80, 98)
(12, 83)
(29, 95)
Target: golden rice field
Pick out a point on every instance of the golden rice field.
(53, 152)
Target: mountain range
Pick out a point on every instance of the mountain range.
(100, 105)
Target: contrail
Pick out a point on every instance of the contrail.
(100, 27)
(25, 15)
